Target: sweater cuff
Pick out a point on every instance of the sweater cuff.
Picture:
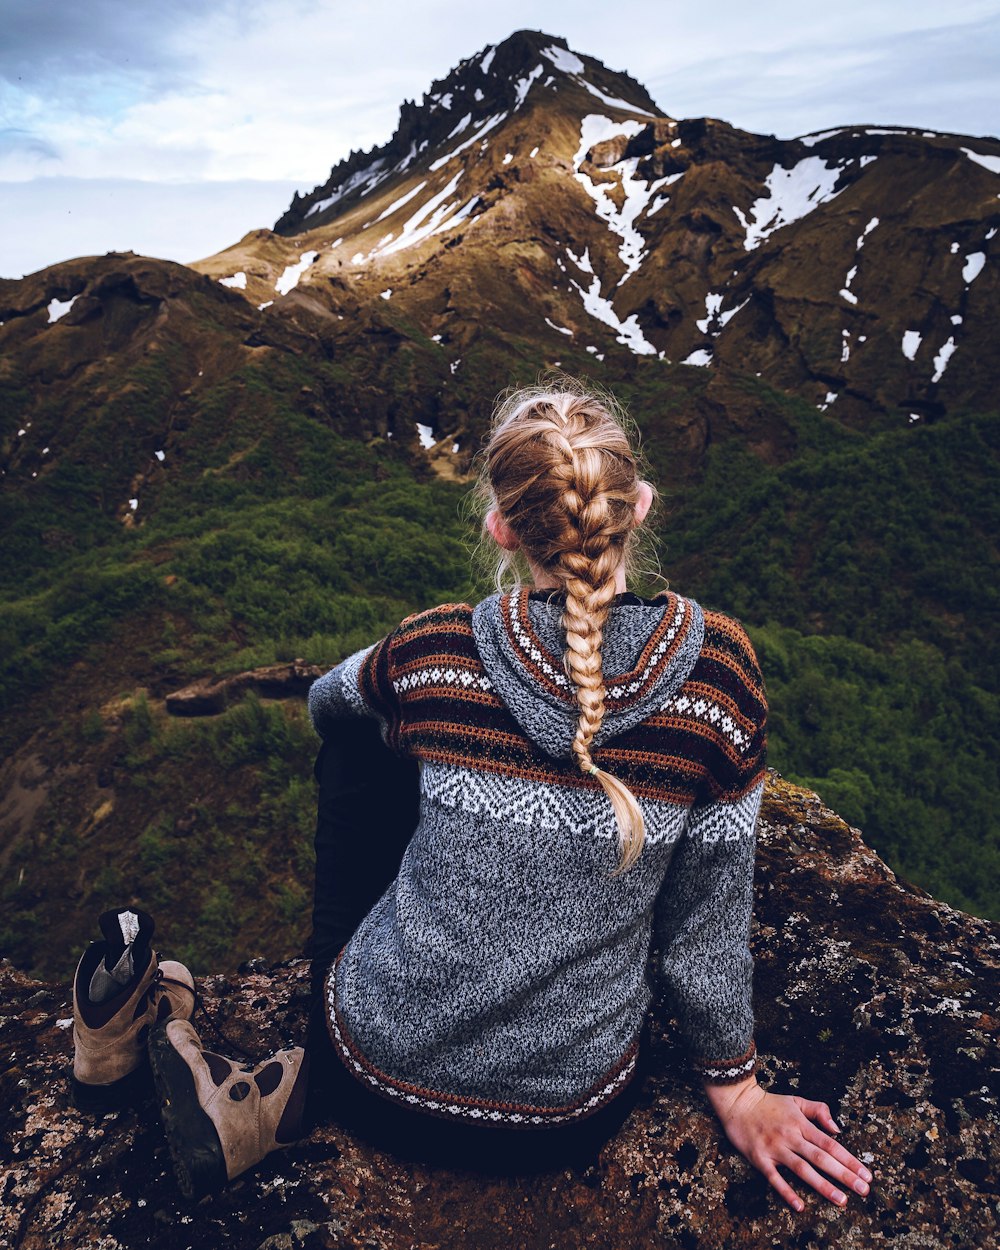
(727, 1071)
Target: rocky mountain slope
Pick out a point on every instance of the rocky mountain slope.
(869, 995)
(536, 191)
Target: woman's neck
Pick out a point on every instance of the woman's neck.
(543, 581)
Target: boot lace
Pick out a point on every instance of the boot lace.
(160, 980)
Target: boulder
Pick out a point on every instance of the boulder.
(869, 994)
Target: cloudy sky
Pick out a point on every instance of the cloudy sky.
(173, 128)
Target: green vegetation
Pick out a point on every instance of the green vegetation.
(224, 861)
(280, 526)
(900, 744)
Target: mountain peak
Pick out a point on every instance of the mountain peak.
(482, 91)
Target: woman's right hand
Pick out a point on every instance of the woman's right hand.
(772, 1130)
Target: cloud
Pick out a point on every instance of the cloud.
(15, 139)
(939, 78)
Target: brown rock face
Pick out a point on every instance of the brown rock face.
(275, 681)
(870, 996)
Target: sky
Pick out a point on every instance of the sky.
(174, 128)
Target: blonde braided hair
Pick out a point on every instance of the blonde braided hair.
(561, 470)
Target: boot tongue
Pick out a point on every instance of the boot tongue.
(127, 934)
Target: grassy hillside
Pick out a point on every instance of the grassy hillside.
(863, 565)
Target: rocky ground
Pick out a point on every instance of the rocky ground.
(870, 995)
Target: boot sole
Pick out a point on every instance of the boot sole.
(199, 1163)
(104, 1099)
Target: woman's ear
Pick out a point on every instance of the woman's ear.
(500, 531)
(642, 504)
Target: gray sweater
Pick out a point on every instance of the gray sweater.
(504, 976)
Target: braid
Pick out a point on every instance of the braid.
(561, 470)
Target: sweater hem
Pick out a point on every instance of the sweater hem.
(462, 1108)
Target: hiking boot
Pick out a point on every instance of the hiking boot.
(119, 992)
(221, 1118)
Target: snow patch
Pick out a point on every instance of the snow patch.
(160, 455)
(638, 192)
(973, 266)
(629, 331)
(508, 158)
(366, 179)
(133, 504)
(867, 230)
(911, 342)
(462, 125)
(561, 329)
(992, 163)
(845, 346)
(487, 60)
(358, 258)
(433, 216)
(454, 448)
(403, 199)
(713, 302)
(811, 139)
(700, 356)
(725, 317)
(59, 308)
(942, 358)
(523, 86)
(660, 200)
(426, 435)
(290, 278)
(791, 194)
(239, 280)
(266, 304)
(956, 319)
(564, 60)
(615, 101)
(453, 366)
(581, 262)
(533, 153)
(386, 294)
(487, 125)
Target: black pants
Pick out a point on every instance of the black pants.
(368, 808)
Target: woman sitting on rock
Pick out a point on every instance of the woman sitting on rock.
(520, 802)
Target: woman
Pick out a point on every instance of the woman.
(590, 767)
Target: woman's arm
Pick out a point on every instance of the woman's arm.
(360, 686)
(702, 922)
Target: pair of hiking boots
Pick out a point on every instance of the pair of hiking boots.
(132, 1030)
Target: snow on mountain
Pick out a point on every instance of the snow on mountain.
(532, 190)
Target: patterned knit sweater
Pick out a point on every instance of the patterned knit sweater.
(504, 976)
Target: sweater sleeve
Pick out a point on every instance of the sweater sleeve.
(361, 685)
(704, 909)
